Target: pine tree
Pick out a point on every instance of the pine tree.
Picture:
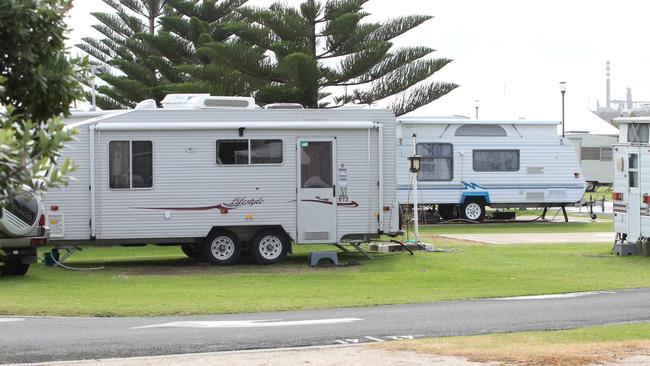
(153, 44)
(185, 28)
(303, 54)
(123, 50)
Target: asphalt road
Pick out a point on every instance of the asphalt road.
(37, 339)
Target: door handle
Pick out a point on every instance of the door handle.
(334, 190)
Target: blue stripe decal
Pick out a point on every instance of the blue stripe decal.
(485, 195)
(473, 186)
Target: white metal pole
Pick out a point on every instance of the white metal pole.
(93, 224)
(416, 219)
(380, 147)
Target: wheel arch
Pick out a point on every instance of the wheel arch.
(482, 196)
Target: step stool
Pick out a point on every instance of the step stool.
(315, 257)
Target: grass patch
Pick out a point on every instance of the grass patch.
(161, 281)
(575, 347)
(599, 194)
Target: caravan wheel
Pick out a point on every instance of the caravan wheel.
(222, 247)
(269, 247)
(13, 267)
(473, 210)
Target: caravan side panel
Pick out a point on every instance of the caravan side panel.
(71, 219)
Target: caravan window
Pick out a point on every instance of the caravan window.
(495, 160)
(266, 151)
(637, 132)
(245, 152)
(130, 164)
(481, 130)
(437, 163)
(606, 154)
(232, 152)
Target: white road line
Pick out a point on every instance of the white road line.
(555, 296)
(374, 339)
(8, 320)
(248, 323)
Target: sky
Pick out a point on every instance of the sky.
(510, 55)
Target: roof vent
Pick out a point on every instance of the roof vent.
(146, 104)
(179, 101)
(283, 106)
(203, 102)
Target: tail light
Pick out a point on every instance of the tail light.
(41, 220)
(38, 242)
(618, 196)
(646, 198)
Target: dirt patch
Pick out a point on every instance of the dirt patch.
(444, 240)
(567, 354)
(348, 356)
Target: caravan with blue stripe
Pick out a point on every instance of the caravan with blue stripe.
(468, 165)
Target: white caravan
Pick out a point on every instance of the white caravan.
(595, 155)
(467, 165)
(221, 174)
(631, 196)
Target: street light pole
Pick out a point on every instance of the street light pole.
(562, 90)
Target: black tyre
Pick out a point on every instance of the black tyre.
(473, 210)
(222, 247)
(269, 246)
(446, 212)
(14, 267)
(192, 250)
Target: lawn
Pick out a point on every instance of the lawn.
(584, 346)
(600, 192)
(161, 281)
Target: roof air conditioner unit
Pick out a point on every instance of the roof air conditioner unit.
(283, 106)
(179, 101)
(207, 102)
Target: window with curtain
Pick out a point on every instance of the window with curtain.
(495, 160)
(130, 164)
(437, 162)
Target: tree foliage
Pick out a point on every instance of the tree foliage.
(302, 53)
(38, 83)
(122, 59)
(150, 48)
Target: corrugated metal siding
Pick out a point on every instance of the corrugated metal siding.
(74, 199)
(184, 179)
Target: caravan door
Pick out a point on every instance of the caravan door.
(633, 196)
(316, 193)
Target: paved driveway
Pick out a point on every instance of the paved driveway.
(536, 238)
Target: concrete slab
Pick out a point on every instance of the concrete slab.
(535, 238)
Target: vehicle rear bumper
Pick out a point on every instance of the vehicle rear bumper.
(30, 242)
